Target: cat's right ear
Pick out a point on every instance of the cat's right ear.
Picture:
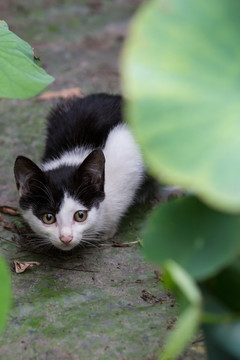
(25, 170)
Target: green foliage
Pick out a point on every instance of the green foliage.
(195, 231)
(187, 324)
(221, 327)
(226, 286)
(181, 76)
(227, 335)
(4, 292)
(20, 74)
(180, 72)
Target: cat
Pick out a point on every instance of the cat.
(90, 174)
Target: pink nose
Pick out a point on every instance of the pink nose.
(66, 239)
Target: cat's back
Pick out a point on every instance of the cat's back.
(81, 122)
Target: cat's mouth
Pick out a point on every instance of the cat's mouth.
(66, 246)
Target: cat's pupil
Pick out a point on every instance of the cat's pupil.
(48, 219)
(80, 215)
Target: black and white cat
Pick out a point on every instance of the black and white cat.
(90, 173)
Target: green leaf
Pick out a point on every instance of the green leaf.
(186, 327)
(225, 286)
(181, 74)
(189, 319)
(20, 75)
(176, 275)
(4, 292)
(3, 25)
(199, 238)
(223, 341)
(221, 329)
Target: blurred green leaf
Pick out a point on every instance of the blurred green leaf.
(189, 319)
(186, 326)
(225, 286)
(175, 275)
(181, 76)
(4, 292)
(223, 341)
(222, 331)
(200, 239)
(3, 24)
(20, 75)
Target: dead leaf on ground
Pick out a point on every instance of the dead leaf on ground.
(9, 210)
(64, 93)
(21, 266)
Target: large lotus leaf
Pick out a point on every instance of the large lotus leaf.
(197, 237)
(20, 75)
(181, 79)
(4, 292)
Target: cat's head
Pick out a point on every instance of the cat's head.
(62, 205)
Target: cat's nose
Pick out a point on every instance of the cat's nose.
(66, 239)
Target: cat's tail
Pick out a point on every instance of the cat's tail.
(153, 190)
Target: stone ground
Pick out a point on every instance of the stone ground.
(99, 303)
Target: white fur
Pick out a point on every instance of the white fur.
(123, 175)
(74, 157)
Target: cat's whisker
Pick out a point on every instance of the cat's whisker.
(90, 236)
(86, 242)
(91, 239)
(36, 242)
(94, 236)
(35, 236)
(31, 234)
(92, 242)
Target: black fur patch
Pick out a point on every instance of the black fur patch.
(82, 122)
(37, 192)
(42, 197)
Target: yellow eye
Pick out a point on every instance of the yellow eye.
(48, 219)
(80, 215)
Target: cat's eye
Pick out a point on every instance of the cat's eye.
(80, 215)
(48, 219)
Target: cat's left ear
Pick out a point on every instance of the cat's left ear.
(92, 171)
(25, 171)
